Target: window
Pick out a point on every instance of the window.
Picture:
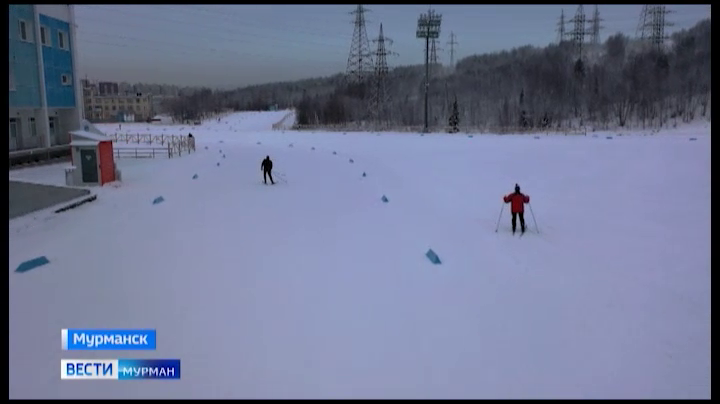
(114, 108)
(51, 125)
(62, 40)
(44, 37)
(14, 133)
(12, 79)
(33, 127)
(65, 79)
(24, 31)
(13, 128)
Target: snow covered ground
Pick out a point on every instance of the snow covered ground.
(315, 288)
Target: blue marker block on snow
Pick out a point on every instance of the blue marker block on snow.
(693, 138)
(195, 176)
(470, 136)
(157, 200)
(32, 264)
(430, 254)
(223, 156)
(218, 164)
(364, 175)
(352, 161)
(206, 147)
(258, 142)
(312, 148)
(608, 137)
(385, 199)
(334, 152)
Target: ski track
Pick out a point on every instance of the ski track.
(557, 314)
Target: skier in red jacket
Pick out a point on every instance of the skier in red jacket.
(517, 201)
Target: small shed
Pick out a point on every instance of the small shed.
(92, 160)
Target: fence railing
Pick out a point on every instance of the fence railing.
(170, 145)
(38, 156)
(143, 152)
(463, 131)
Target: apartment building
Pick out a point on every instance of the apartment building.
(105, 103)
(44, 99)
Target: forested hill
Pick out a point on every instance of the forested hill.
(622, 82)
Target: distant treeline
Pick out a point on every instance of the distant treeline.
(621, 82)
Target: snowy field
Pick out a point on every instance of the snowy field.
(315, 288)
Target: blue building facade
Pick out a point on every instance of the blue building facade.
(43, 97)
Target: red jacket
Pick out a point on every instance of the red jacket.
(518, 200)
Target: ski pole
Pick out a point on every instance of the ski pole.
(533, 216)
(498, 222)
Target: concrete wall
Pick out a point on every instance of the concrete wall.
(26, 139)
(23, 61)
(57, 11)
(67, 120)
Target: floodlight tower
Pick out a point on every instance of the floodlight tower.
(428, 28)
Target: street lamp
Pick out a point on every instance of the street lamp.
(429, 28)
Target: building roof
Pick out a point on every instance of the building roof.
(80, 143)
(82, 135)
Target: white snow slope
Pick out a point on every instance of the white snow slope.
(315, 288)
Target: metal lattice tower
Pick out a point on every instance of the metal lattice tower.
(579, 31)
(360, 63)
(644, 22)
(452, 44)
(561, 27)
(595, 27)
(434, 52)
(652, 24)
(379, 95)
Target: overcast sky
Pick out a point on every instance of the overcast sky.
(226, 46)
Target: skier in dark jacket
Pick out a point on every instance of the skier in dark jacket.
(266, 168)
(517, 201)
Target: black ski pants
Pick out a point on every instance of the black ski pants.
(522, 220)
(268, 173)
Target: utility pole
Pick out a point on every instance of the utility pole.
(428, 28)
(452, 44)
